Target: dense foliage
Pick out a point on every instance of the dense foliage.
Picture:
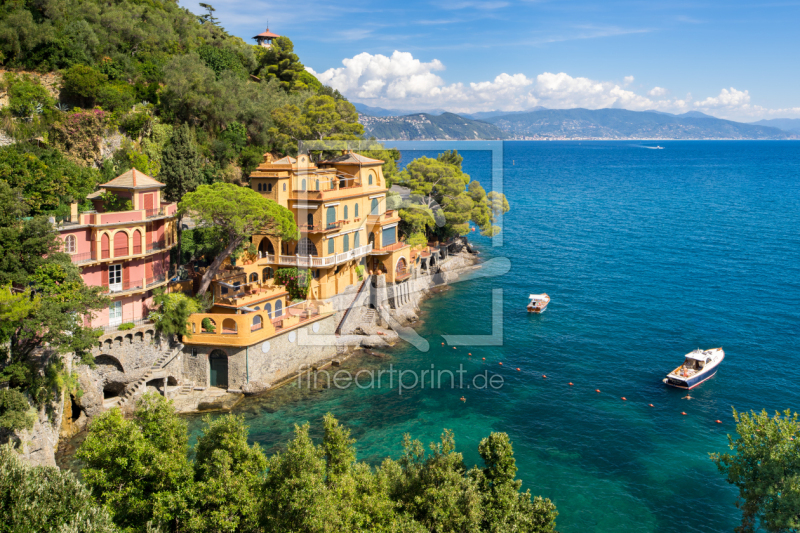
(139, 470)
(765, 467)
(172, 310)
(444, 200)
(44, 498)
(236, 213)
(295, 280)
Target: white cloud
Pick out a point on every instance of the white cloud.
(401, 81)
(726, 98)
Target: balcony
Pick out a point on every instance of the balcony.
(310, 261)
(319, 228)
(402, 274)
(87, 257)
(133, 285)
(385, 218)
(388, 249)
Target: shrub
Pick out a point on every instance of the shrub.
(26, 96)
(116, 96)
(114, 203)
(15, 411)
(83, 83)
(296, 281)
(126, 326)
(208, 325)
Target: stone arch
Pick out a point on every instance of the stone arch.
(139, 336)
(107, 344)
(118, 341)
(401, 264)
(172, 381)
(211, 323)
(129, 338)
(109, 361)
(265, 247)
(148, 335)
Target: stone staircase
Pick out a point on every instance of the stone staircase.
(363, 284)
(186, 388)
(135, 389)
(369, 316)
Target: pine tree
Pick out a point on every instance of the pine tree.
(181, 166)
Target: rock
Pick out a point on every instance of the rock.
(255, 387)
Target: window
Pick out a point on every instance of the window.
(303, 185)
(278, 308)
(306, 247)
(357, 240)
(346, 243)
(374, 206)
(269, 187)
(115, 313)
(266, 274)
(253, 277)
(268, 309)
(356, 211)
(259, 187)
(389, 236)
(345, 213)
(330, 216)
(370, 178)
(115, 278)
(315, 273)
(330, 246)
(69, 244)
(194, 352)
(284, 187)
(317, 184)
(223, 289)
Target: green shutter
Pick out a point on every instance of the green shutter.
(331, 216)
(330, 246)
(389, 236)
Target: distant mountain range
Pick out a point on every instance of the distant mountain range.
(425, 126)
(791, 125)
(553, 124)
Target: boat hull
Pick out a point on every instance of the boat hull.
(532, 309)
(692, 382)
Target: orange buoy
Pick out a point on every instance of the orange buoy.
(454, 347)
(597, 390)
(719, 421)
(650, 404)
(518, 370)
(624, 398)
(483, 358)
(545, 377)
(501, 364)
(570, 384)
(442, 344)
(469, 354)
(683, 413)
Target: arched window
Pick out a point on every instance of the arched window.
(345, 213)
(265, 248)
(306, 247)
(137, 242)
(268, 309)
(356, 211)
(346, 243)
(284, 187)
(259, 187)
(317, 185)
(278, 308)
(303, 185)
(370, 178)
(253, 277)
(105, 246)
(256, 323)
(120, 244)
(229, 326)
(266, 274)
(330, 246)
(69, 244)
(269, 187)
(257, 308)
(357, 239)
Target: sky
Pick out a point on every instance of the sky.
(733, 60)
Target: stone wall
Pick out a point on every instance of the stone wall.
(263, 365)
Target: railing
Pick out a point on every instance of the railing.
(136, 323)
(86, 257)
(311, 261)
(120, 252)
(155, 246)
(333, 225)
(155, 280)
(123, 286)
(317, 228)
(137, 249)
(390, 248)
(152, 213)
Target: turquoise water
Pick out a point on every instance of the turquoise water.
(647, 254)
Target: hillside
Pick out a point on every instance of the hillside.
(792, 125)
(624, 124)
(424, 126)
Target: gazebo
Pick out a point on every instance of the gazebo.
(265, 38)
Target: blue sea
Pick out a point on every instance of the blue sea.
(646, 254)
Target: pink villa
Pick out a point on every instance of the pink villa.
(127, 252)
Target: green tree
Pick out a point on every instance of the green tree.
(440, 185)
(321, 118)
(15, 411)
(765, 467)
(171, 312)
(138, 468)
(238, 213)
(83, 84)
(44, 498)
(181, 164)
(281, 63)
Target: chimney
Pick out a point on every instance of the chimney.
(73, 212)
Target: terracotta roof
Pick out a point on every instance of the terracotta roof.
(353, 158)
(288, 160)
(96, 194)
(267, 34)
(133, 179)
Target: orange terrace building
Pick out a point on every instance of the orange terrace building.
(126, 252)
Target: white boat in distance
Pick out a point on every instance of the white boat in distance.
(698, 366)
(538, 303)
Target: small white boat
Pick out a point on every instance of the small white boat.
(538, 303)
(659, 147)
(698, 366)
